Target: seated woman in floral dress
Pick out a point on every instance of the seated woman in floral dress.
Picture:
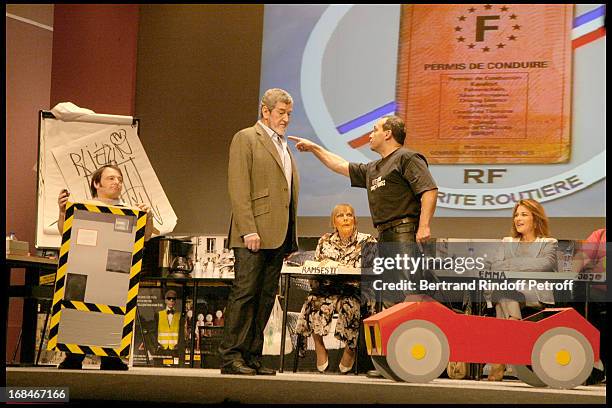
(329, 296)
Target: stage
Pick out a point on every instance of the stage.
(203, 386)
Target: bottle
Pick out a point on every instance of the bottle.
(567, 258)
(9, 237)
(197, 270)
(210, 268)
(219, 319)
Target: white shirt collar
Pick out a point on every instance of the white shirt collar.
(272, 133)
(269, 131)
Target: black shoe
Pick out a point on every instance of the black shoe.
(596, 377)
(239, 368)
(113, 363)
(374, 374)
(261, 370)
(71, 362)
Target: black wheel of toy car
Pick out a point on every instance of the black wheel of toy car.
(562, 358)
(525, 374)
(380, 364)
(417, 351)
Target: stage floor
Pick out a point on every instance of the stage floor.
(203, 386)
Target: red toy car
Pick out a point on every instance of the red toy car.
(414, 341)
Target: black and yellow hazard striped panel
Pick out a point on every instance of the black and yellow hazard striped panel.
(129, 311)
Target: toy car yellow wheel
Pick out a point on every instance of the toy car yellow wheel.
(525, 374)
(380, 364)
(417, 351)
(562, 358)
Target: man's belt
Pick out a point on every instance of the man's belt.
(406, 220)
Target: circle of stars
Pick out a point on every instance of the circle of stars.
(504, 12)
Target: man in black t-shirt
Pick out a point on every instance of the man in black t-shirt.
(401, 193)
(401, 190)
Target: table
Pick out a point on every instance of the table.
(189, 282)
(31, 291)
(306, 272)
(290, 272)
(493, 275)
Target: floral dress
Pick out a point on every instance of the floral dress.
(342, 296)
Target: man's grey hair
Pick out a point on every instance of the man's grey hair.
(273, 96)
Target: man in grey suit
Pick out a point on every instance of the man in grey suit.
(263, 186)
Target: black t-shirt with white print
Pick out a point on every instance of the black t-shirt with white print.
(394, 183)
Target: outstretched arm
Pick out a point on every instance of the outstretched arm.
(330, 160)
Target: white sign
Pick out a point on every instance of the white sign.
(87, 237)
(118, 145)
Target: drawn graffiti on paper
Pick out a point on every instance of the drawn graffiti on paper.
(115, 150)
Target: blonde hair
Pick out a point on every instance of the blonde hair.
(540, 220)
(337, 209)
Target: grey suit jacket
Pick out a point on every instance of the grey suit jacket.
(542, 257)
(258, 190)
